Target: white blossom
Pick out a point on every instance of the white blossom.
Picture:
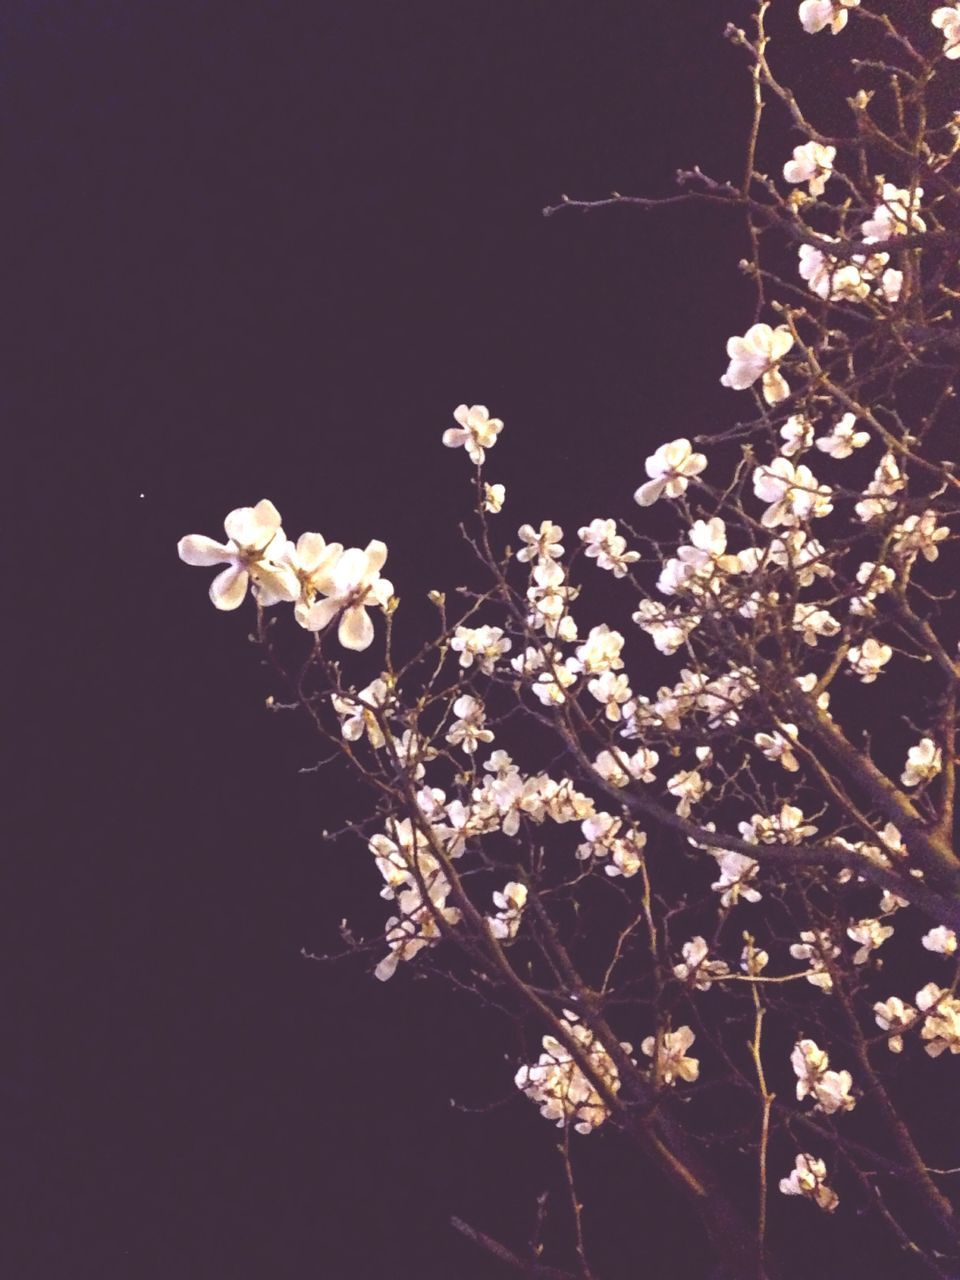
(895, 215)
(947, 20)
(670, 469)
(808, 1178)
(812, 163)
(843, 439)
(540, 544)
(558, 1086)
(868, 659)
(476, 431)
(941, 1024)
(607, 547)
(255, 554)
(941, 940)
(894, 1017)
(869, 935)
(696, 969)
(924, 762)
(484, 645)
(829, 1089)
(494, 496)
(778, 746)
(757, 355)
(737, 873)
(797, 435)
(878, 496)
(509, 902)
(672, 1063)
(468, 730)
(918, 535)
(816, 949)
(793, 492)
(351, 584)
(817, 14)
(357, 712)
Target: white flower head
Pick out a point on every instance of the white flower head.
(255, 553)
(672, 1063)
(815, 15)
(670, 469)
(757, 355)
(494, 496)
(947, 20)
(924, 762)
(808, 1179)
(351, 585)
(812, 163)
(843, 439)
(941, 940)
(476, 432)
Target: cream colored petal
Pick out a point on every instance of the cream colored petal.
(253, 526)
(356, 629)
(376, 553)
(199, 550)
(321, 614)
(228, 589)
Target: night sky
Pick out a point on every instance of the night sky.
(263, 249)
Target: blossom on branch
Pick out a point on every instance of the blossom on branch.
(808, 1179)
(817, 14)
(670, 469)
(924, 762)
(476, 432)
(757, 355)
(255, 555)
(351, 584)
(947, 20)
(812, 163)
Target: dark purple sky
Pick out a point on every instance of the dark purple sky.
(263, 249)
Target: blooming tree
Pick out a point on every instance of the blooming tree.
(747, 855)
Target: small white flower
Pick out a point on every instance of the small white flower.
(895, 215)
(842, 440)
(493, 497)
(869, 934)
(607, 547)
(797, 435)
(924, 761)
(696, 968)
(947, 20)
(817, 14)
(477, 431)
(829, 1089)
(509, 902)
(540, 544)
(757, 355)
(942, 941)
(779, 746)
(672, 1063)
(894, 1017)
(808, 1179)
(468, 730)
(868, 659)
(812, 163)
(792, 491)
(670, 470)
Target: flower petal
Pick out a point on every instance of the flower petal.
(228, 589)
(199, 550)
(356, 629)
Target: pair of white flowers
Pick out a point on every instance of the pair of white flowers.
(258, 555)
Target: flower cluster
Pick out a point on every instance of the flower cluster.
(561, 1089)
